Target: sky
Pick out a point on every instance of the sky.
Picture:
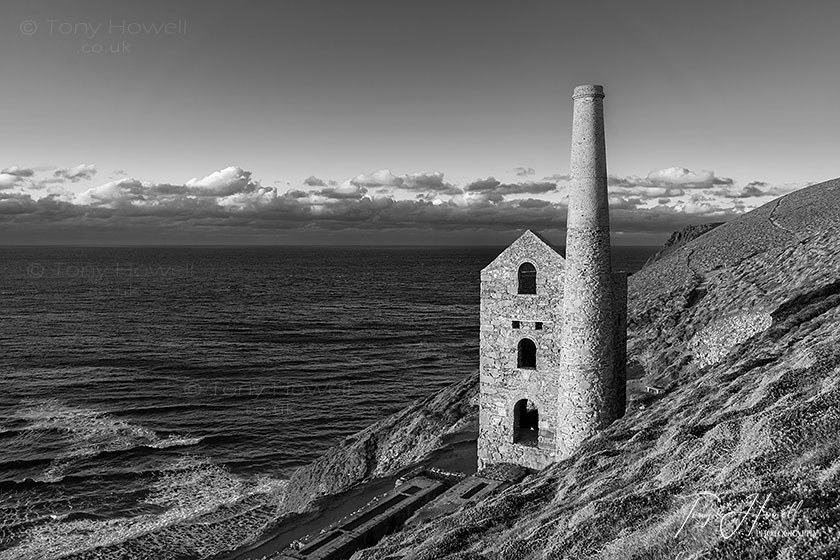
(401, 122)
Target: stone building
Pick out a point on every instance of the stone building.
(553, 329)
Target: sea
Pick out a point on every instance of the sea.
(155, 400)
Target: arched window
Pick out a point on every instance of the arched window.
(527, 279)
(526, 423)
(526, 354)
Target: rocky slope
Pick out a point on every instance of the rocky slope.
(680, 238)
(385, 447)
(740, 457)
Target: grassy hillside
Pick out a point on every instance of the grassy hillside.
(740, 457)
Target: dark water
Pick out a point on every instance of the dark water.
(154, 400)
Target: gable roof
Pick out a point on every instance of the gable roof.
(540, 236)
(532, 243)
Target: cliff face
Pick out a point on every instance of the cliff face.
(680, 238)
(383, 448)
(740, 457)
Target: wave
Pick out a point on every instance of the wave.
(176, 441)
(202, 510)
(40, 481)
(82, 434)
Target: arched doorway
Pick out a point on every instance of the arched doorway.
(526, 423)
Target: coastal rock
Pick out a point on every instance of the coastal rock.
(679, 238)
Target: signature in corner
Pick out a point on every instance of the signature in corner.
(707, 507)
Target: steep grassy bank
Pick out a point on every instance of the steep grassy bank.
(740, 458)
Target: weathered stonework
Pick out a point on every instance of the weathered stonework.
(589, 388)
(503, 383)
(578, 381)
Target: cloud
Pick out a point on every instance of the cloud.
(350, 192)
(75, 174)
(424, 182)
(680, 176)
(337, 211)
(232, 201)
(648, 192)
(24, 178)
(490, 186)
(13, 176)
(428, 182)
(231, 198)
(756, 189)
(228, 181)
(748, 191)
(557, 178)
(524, 171)
(665, 183)
(119, 192)
(8, 181)
(18, 171)
(381, 178)
(231, 186)
(623, 203)
(15, 203)
(314, 181)
(21, 208)
(534, 203)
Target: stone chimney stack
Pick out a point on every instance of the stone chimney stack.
(587, 387)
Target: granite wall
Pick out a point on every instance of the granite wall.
(503, 383)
